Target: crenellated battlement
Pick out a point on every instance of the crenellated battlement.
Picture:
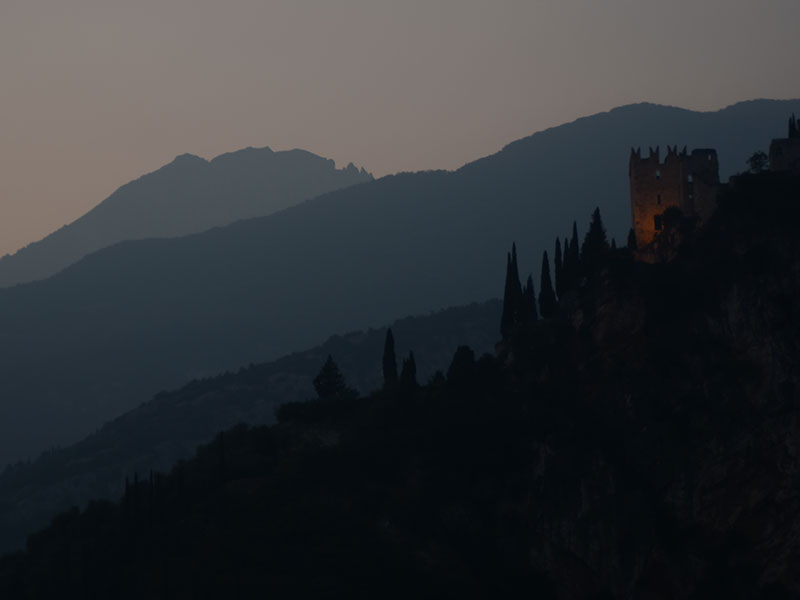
(685, 181)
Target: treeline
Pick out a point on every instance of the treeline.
(573, 265)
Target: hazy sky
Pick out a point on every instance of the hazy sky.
(97, 92)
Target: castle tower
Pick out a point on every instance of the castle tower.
(687, 182)
(784, 153)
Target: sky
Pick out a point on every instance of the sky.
(95, 93)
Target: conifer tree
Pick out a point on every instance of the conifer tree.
(530, 314)
(329, 383)
(571, 264)
(547, 298)
(594, 253)
(557, 264)
(461, 366)
(613, 244)
(389, 361)
(574, 247)
(632, 240)
(408, 375)
(512, 298)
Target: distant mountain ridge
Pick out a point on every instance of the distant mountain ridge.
(111, 330)
(188, 195)
(168, 428)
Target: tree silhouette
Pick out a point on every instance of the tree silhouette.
(632, 240)
(408, 375)
(758, 162)
(530, 315)
(571, 264)
(329, 383)
(574, 247)
(462, 366)
(547, 298)
(557, 264)
(512, 298)
(389, 361)
(595, 245)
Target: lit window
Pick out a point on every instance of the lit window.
(689, 178)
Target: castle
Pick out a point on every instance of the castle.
(688, 182)
(784, 153)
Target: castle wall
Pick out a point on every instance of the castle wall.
(687, 182)
(703, 166)
(655, 187)
(784, 155)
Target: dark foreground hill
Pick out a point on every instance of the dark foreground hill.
(96, 339)
(642, 443)
(155, 435)
(188, 195)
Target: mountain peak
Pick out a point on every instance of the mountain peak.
(186, 196)
(187, 158)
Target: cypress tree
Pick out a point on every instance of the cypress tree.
(408, 375)
(530, 314)
(570, 266)
(632, 240)
(389, 361)
(557, 264)
(595, 245)
(512, 297)
(574, 246)
(574, 255)
(547, 298)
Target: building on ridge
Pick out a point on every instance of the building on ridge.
(685, 181)
(784, 153)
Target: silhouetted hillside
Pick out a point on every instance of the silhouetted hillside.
(188, 195)
(94, 340)
(640, 443)
(158, 433)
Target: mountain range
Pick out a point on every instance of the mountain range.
(157, 434)
(111, 330)
(188, 195)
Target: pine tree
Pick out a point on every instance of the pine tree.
(329, 383)
(408, 375)
(594, 253)
(558, 267)
(547, 298)
(632, 240)
(512, 298)
(389, 361)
